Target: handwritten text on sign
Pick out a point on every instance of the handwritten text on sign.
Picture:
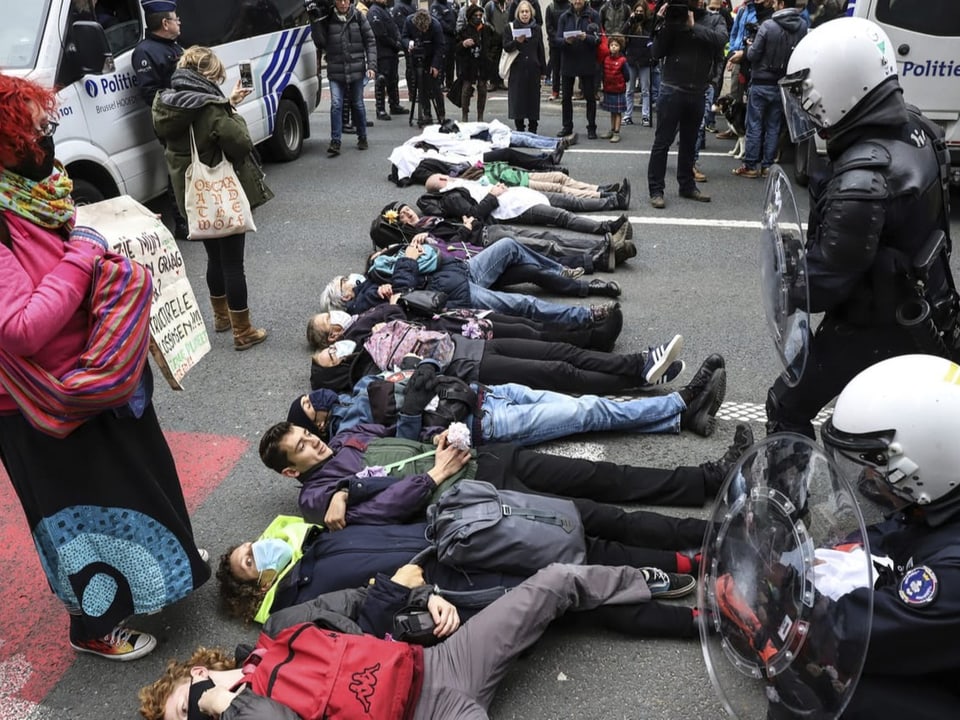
(179, 337)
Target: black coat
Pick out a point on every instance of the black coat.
(523, 88)
(349, 45)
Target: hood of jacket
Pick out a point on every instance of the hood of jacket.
(789, 19)
(174, 109)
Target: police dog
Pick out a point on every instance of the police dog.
(734, 110)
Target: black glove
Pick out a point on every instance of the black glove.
(313, 10)
(421, 387)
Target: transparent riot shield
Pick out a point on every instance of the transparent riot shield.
(783, 276)
(785, 548)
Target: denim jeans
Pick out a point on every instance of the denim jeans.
(521, 138)
(638, 75)
(701, 135)
(336, 108)
(677, 111)
(487, 267)
(764, 117)
(515, 413)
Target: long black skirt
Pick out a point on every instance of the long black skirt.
(107, 516)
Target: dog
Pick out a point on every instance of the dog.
(734, 109)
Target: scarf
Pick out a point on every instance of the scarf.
(46, 203)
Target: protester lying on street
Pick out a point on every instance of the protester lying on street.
(548, 182)
(410, 680)
(399, 222)
(454, 135)
(466, 284)
(341, 369)
(411, 164)
(294, 562)
(479, 357)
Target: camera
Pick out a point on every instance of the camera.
(677, 11)
(750, 31)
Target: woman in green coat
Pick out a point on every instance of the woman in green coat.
(195, 99)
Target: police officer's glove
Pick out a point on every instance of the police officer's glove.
(421, 388)
(313, 10)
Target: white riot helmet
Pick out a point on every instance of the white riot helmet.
(895, 431)
(831, 70)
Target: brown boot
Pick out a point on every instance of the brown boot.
(244, 335)
(221, 314)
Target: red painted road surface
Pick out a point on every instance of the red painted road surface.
(33, 625)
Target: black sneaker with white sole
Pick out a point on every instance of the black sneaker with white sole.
(665, 585)
(659, 359)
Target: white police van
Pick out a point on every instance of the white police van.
(926, 39)
(106, 136)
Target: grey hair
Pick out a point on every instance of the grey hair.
(330, 298)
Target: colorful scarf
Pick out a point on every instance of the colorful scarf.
(46, 203)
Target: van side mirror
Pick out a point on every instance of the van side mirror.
(91, 50)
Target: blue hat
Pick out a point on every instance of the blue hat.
(159, 6)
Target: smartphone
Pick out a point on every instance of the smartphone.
(246, 75)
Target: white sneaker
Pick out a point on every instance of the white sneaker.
(120, 644)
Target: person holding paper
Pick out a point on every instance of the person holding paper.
(101, 496)
(523, 85)
(578, 33)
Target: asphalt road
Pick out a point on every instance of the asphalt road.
(696, 273)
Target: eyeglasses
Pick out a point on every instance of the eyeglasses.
(173, 19)
(48, 127)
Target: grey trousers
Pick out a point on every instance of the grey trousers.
(461, 675)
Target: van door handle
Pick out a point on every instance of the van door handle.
(903, 49)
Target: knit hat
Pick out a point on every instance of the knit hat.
(321, 399)
(391, 212)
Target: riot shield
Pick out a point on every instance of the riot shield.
(785, 546)
(783, 276)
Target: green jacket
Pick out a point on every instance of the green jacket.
(218, 129)
(498, 171)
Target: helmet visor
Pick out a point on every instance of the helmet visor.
(799, 123)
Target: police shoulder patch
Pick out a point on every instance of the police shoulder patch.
(919, 586)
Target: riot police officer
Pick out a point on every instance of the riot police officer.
(875, 216)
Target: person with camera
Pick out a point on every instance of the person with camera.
(686, 42)
(423, 38)
(768, 54)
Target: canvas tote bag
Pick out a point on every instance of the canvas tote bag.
(215, 202)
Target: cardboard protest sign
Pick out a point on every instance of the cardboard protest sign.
(178, 335)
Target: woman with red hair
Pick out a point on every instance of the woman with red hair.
(101, 496)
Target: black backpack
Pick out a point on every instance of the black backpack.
(456, 399)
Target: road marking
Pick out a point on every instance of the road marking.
(599, 151)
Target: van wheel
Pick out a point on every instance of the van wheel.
(85, 192)
(287, 139)
(801, 161)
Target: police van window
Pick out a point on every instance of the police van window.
(930, 17)
(215, 22)
(120, 20)
(20, 33)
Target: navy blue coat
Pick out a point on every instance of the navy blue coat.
(580, 56)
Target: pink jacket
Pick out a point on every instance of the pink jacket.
(43, 282)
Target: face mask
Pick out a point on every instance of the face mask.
(355, 279)
(342, 348)
(193, 706)
(271, 555)
(33, 170)
(341, 319)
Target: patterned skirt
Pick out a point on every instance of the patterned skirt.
(614, 102)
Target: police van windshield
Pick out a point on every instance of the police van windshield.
(930, 17)
(20, 31)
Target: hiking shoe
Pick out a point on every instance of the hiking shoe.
(745, 171)
(698, 175)
(695, 195)
(668, 585)
(601, 312)
(120, 644)
(362, 144)
(572, 273)
(659, 358)
(716, 471)
(658, 202)
(604, 288)
(700, 415)
(591, 134)
(333, 149)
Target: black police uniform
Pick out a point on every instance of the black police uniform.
(389, 48)
(154, 60)
(869, 220)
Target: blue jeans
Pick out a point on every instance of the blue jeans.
(764, 118)
(336, 108)
(515, 413)
(522, 138)
(678, 112)
(486, 269)
(701, 136)
(638, 74)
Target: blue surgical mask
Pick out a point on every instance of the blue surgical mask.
(341, 319)
(271, 554)
(342, 348)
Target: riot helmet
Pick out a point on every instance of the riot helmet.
(894, 428)
(831, 70)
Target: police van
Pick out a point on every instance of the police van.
(106, 137)
(926, 39)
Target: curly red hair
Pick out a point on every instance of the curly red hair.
(18, 100)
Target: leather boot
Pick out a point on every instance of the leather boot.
(481, 100)
(245, 336)
(221, 313)
(465, 96)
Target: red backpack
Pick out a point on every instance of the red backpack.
(319, 673)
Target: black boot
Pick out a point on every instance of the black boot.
(604, 258)
(604, 288)
(380, 97)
